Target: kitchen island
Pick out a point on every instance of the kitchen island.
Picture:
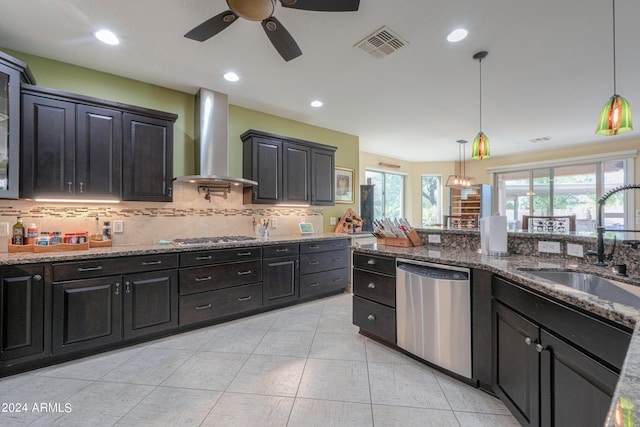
(519, 268)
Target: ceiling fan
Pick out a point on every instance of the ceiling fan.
(262, 10)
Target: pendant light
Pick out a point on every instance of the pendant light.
(480, 147)
(615, 117)
(461, 180)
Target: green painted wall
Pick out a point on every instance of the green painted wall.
(85, 81)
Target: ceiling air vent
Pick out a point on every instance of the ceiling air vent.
(382, 43)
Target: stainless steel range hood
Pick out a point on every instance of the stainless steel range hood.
(212, 135)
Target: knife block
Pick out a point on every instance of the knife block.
(412, 240)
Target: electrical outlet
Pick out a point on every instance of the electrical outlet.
(4, 229)
(333, 220)
(434, 238)
(638, 220)
(575, 250)
(118, 226)
(549, 247)
(274, 223)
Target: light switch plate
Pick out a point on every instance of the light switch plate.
(549, 247)
(434, 238)
(575, 250)
(118, 226)
(274, 222)
(332, 220)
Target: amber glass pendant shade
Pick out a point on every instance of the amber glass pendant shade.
(615, 117)
(480, 148)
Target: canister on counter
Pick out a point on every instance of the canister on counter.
(44, 239)
(32, 233)
(57, 238)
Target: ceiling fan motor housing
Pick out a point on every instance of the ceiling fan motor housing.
(253, 10)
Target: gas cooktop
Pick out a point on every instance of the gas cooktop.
(197, 241)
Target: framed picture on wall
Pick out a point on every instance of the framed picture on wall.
(344, 185)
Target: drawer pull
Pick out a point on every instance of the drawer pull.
(151, 262)
(371, 261)
(314, 246)
(203, 279)
(282, 250)
(117, 288)
(244, 273)
(244, 253)
(203, 307)
(371, 285)
(82, 270)
(338, 279)
(337, 259)
(37, 278)
(371, 317)
(245, 298)
(202, 258)
(314, 263)
(314, 284)
(527, 341)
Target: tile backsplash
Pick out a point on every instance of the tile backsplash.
(189, 215)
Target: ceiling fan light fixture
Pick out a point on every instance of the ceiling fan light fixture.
(253, 10)
(615, 116)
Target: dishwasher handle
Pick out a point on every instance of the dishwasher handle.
(433, 272)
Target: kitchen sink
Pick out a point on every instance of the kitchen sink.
(591, 284)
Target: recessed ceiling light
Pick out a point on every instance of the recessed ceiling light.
(231, 76)
(457, 35)
(107, 37)
(316, 104)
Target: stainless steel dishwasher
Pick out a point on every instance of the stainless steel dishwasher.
(433, 309)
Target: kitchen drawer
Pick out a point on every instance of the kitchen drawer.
(276, 251)
(376, 287)
(110, 266)
(215, 304)
(323, 246)
(323, 282)
(218, 256)
(201, 279)
(375, 318)
(375, 263)
(323, 261)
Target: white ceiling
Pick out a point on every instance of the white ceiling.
(548, 72)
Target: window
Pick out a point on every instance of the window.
(563, 190)
(431, 200)
(388, 194)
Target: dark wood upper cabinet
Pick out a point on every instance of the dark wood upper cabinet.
(287, 170)
(12, 73)
(147, 172)
(80, 147)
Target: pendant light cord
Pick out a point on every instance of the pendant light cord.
(480, 62)
(614, 47)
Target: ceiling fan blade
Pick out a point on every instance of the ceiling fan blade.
(212, 26)
(323, 5)
(281, 39)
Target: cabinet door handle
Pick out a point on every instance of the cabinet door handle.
(528, 341)
(245, 298)
(37, 278)
(371, 285)
(85, 269)
(282, 250)
(314, 246)
(371, 317)
(170, 191)
(244, 273)
(127, 288)
(244, 253)
(539, 348)
(69, 184)
(337, 259)
(203, 307)
(81, 187)
(151, 262)
(371, 262)
(202, 258)
(314, 263)
(314, 284)
(203, 279)
(337, 279)
(117, 288)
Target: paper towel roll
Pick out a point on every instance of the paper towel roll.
(498, 234)
(484, 235)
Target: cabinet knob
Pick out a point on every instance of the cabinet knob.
(371, 262)
(539, 348)
(70, 184)
(371, 285)
(37, 278)
(527, 341)
(371, 317)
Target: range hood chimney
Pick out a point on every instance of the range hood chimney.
(212, 135)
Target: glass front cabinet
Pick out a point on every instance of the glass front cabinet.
(12, 73)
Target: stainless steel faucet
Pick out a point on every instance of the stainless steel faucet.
(600, 229)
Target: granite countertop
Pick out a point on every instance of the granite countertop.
(148, 249)
(514, 268)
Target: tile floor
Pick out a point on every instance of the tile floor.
(299, 366)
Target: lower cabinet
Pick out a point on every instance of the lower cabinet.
(280, 277)
(205, 306)
(546, 369)
(22, 308)
(93, 312)
(323, 267)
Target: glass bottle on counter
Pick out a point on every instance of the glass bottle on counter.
(18, 233)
